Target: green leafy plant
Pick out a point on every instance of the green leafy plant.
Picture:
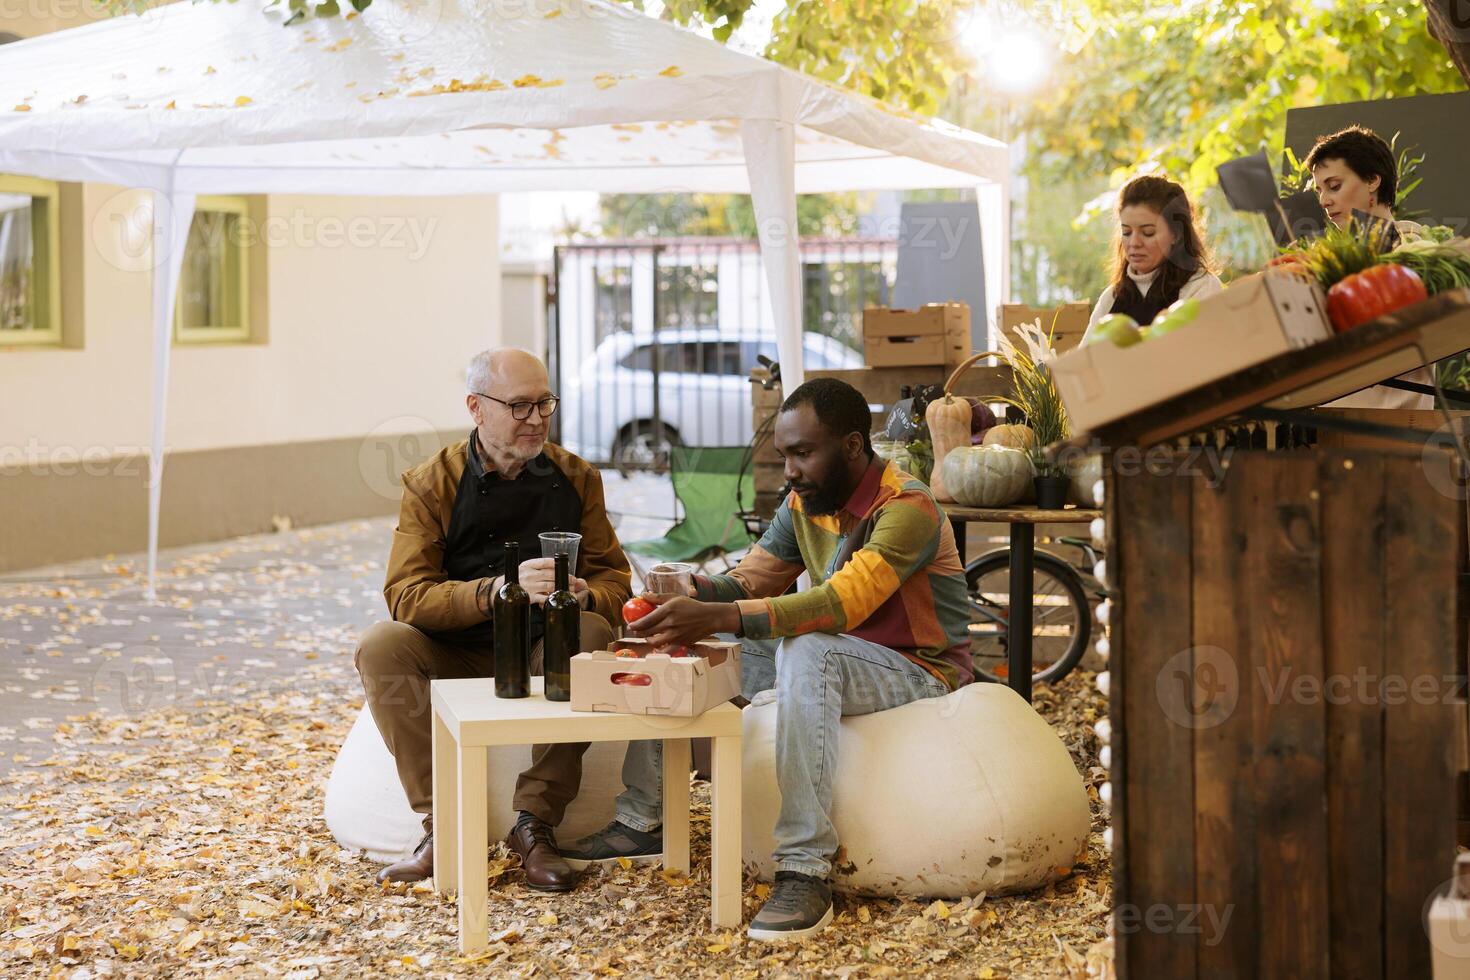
(1441, 267)
(1341, 252)
(1035, 393)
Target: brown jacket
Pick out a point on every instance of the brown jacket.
(419, 591)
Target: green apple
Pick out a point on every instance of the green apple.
(1119, 328)
(1180, 314)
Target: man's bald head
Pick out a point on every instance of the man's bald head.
(504, 368)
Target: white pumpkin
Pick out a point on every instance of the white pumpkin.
(987, 476)
(1014, 435)
(1082, 473)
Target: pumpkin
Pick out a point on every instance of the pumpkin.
(987, 476)
(1015, 436)
(1082, 473)
(949, 428)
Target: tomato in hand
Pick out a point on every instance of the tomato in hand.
(636, 608)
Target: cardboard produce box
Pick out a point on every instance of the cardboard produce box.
(937, 334)
(656, 683)
(1067, 322)
(1255, 319)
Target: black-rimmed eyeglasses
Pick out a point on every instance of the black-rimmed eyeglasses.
(520, 411)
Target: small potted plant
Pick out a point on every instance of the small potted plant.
(1037, 397)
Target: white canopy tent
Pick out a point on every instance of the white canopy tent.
(457, 97)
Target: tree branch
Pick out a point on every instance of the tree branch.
(1449, 22)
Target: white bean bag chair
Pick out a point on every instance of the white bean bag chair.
(366, 808)
(940, 798)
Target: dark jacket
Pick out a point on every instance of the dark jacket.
(453, 524)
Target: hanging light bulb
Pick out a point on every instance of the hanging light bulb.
(1103, 647)
(1104, 730)
(1104, 681)
(1105, 793)
(1108, 839)
(1104, 611)
(1100, 571)
(1099, 530)
(1105, 756)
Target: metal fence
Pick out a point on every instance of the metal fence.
(651, 342)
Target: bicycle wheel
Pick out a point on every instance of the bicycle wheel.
(1061, 619)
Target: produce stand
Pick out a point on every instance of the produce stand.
(1022, 522)
(1285, 670)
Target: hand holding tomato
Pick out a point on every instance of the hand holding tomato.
(636, 608)
(679, 621)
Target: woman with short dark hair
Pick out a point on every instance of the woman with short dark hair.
(1354, 169)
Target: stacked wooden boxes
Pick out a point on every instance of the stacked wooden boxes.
(765, 403)
(1066, 323)
(934, 335)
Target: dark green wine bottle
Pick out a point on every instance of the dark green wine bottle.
(512, 631)
(563, 634)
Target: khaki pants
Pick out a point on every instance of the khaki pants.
(396, 663)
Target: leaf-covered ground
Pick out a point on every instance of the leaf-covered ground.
(185, 837)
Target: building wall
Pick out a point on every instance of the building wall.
(372, 308)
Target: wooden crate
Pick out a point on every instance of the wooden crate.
(1320, 824)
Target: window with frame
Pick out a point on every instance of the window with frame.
(213, 303)
(30, 262)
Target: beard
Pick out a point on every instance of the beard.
(827, 496)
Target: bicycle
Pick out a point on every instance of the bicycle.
(1061, 600)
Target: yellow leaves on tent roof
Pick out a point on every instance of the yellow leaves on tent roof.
(536, 81)
(673, 71)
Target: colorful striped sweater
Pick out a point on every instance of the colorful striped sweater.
(904, 588)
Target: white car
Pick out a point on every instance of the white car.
(607, 412)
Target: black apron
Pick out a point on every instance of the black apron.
(1144, 308)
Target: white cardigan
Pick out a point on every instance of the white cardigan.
(1201, 285)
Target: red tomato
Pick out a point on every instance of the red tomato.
(634, 680)
(1371, 293)
(636, 608)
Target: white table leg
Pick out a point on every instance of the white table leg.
(473, 871)
(725, 867)
(676, 804)
(446, 807)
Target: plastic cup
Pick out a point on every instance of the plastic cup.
(672, 578)
(555, 543)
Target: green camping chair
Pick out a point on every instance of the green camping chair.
(706, 483)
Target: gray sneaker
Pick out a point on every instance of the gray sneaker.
(616, 840)
(800, 906)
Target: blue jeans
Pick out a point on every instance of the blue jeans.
(818, 679)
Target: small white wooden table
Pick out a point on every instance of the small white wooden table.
(468, 717)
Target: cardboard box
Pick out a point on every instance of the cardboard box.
(937, 334)
(1067, 322)
(1255, 319)
(656, 683)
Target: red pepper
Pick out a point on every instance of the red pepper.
(1371, 293)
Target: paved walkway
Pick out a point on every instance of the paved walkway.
(271, 611)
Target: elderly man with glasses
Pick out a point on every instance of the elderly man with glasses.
(503, 483)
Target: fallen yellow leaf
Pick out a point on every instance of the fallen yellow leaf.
(671, 72)
(94, 831)
(171, 104)
(624, 863)
(863, 914)
(547, 919)
(243, 100)
(190, 941)
(70, 942)
(341, 45)
(716, 948)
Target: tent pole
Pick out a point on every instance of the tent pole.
(172, 214)
(770, 163)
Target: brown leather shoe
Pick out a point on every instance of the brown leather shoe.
(417, 867)
(546, 870)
